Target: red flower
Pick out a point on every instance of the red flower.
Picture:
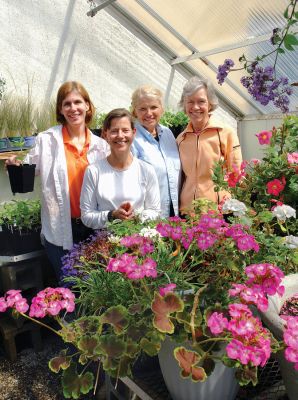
(276, 186)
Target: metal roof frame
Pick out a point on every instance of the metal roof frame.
(181, 63)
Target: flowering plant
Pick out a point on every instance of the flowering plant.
(261, 82)
(193, 280)
(270, 185)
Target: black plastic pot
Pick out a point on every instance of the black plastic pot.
(15, 242)
(21, 178)
(177, 130)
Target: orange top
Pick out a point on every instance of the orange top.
(77, 163)
(198, 153)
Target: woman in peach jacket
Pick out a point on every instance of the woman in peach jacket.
(204, 142)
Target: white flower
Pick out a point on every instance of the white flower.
(291, 242)
(149, 232)
(114, 239)
(283, 212)
(235, 206)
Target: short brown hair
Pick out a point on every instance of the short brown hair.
(116, 113)
(64, 90)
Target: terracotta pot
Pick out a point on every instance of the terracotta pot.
(276, 325)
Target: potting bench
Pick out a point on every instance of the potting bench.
(22, 272)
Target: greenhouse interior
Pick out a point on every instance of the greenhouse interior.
(148, 201)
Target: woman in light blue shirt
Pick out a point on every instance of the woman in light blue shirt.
(155, 144)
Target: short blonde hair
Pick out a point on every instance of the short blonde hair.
(145, 91)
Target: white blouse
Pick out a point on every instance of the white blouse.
(106, 188)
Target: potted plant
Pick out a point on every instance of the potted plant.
(277, 317)
(190, 280)
(96, 123)
(271, 183)
(175, 121)
(19, 227)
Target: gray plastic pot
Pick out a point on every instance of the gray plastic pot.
(221, 385)
(276, 325)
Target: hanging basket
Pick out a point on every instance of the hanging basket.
(21, 178)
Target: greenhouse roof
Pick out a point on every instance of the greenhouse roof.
(195, 37)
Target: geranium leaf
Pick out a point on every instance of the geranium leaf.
(89, 345)
(74, 384)
(112, 346)
(132, 349)
(162, 308)
(149, 347)
(187, 361)
(135, 309)
(117, 317)
(60, 362)
(246, 375)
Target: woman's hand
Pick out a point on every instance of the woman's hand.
(12, 161)
(125, 211)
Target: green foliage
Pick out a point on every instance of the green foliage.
(252, 188)
(20, 214)
(97, 120)
(172, 119)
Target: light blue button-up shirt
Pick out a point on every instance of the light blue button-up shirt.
(164, 157)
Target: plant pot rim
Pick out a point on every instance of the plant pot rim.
(271, 316)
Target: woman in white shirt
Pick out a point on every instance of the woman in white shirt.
(119, 186)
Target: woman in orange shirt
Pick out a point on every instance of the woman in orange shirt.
(204, 142)
(61, 154)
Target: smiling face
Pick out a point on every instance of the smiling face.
(120, 135)
(74, 109)
(197, 107)
(148, 111)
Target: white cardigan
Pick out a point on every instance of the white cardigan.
(49, 156)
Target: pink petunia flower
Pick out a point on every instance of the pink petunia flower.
(264, 137)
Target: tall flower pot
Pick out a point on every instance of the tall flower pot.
(220, 385)
(21, 178)
(276, 325)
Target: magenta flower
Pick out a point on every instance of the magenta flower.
(12, 296)
(217, 323)
(264, 137)
(167, 289)
(206, 240)
(3, 304)
(247, 242)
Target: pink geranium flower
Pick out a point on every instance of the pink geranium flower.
(264, 137)
(276, 186)
(167, 289)
(217, 323)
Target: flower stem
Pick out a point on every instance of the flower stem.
(41, 324)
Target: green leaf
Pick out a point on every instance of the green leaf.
(117, 317)
(89, 345)
(74, 384)
(247, 375)
(280, 50)
(149, 347)
(265, 216)
(60, 362)
(291, 39)
(289, 47)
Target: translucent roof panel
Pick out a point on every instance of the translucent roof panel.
(200, 35)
